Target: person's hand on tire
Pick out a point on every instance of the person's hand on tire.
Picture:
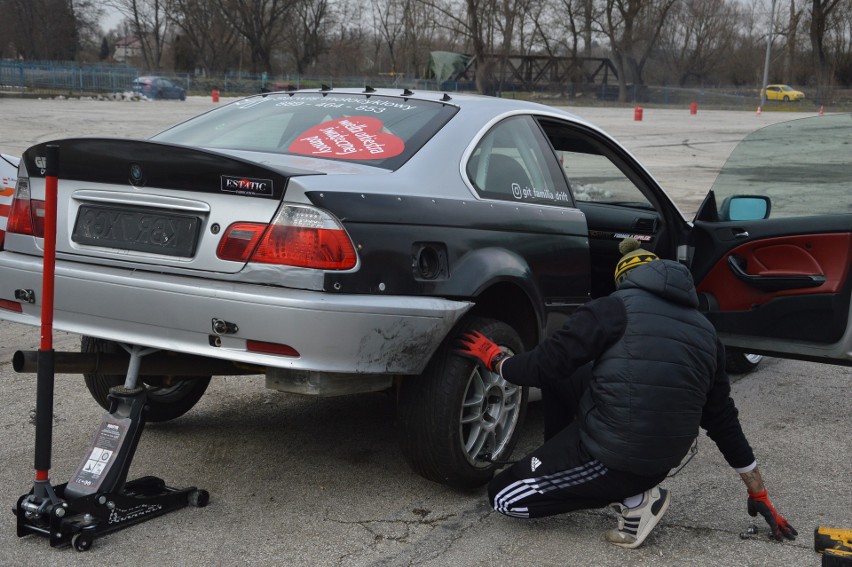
(779, 527)
(476, 345)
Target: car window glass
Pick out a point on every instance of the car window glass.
(802, 166)
(592, 172)
(376, 130)
(514, 162)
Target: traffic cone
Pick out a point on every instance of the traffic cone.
(758, 111)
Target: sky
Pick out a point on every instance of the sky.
(111, 19)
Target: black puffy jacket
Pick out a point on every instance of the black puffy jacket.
(643, 409)
(656, 373)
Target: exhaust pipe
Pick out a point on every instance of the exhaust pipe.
(154, 364)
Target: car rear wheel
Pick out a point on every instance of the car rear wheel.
(457, 418)
(169, 397)
(741, 362)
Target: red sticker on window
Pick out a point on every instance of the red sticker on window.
(356, 137)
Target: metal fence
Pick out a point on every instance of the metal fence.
(53, 78)
(24, 77)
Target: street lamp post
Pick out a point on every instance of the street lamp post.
(768, 52)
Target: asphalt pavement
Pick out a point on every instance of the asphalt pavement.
(306, 481)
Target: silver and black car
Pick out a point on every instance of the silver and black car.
(340, 241)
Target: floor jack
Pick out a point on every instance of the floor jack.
(97, 500)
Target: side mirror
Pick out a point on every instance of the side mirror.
(745, 208)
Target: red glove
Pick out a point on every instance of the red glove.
(476, 345)
(779, 527)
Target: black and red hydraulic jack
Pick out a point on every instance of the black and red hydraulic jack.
(98, 499)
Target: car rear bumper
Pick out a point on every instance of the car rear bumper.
(331, 332)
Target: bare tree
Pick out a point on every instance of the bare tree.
(206, 29)
(792, 33)
(41, 29)
(347, 40)
(151, 20)
(821, 12)
(87, 15)
(389, 20)
(488, 28)
(562, 27)
(420, 36)
(698, 36)
(261, 23)
(841, 45)
(307, 30)
(633, 28)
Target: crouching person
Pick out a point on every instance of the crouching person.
(626, 384)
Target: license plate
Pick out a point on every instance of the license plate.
(137, 229)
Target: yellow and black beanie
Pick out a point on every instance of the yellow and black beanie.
(631, 257)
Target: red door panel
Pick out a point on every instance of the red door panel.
(783, 259)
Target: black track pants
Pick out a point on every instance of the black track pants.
(560, 476)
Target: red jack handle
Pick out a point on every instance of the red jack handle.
(45, 375)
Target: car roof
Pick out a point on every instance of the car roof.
(463, 101)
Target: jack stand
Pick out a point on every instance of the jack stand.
(98, 500)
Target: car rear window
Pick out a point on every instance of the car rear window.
(374, 130)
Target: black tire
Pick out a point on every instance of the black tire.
(786, 98)
(740, 362)
(456, 413)
(169, 397)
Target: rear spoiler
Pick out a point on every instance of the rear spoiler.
(146, 163)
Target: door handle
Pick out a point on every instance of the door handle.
(773, 283)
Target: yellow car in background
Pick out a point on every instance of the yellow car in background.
(783, 92)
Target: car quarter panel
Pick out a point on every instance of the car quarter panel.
(548, 243)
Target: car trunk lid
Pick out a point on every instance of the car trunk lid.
(153, 204)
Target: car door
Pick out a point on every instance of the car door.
(618, 197)
(169, 89)
(772, 243)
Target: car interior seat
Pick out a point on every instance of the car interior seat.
(503, 172)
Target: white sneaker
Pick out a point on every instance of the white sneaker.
(634, 524)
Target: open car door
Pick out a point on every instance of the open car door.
(772, 243)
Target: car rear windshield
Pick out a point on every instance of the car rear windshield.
(374, 130)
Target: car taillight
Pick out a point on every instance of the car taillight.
(26, 215)
(271, 348)
(11, 305)
(240, 241)
(298, 236)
